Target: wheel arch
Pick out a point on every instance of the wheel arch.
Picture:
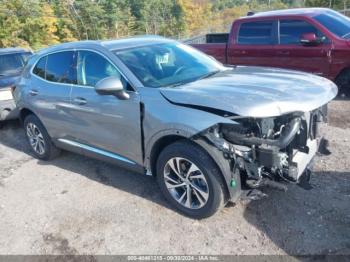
(158, 147)
(216, 155)
(343, 71)
(24, 112)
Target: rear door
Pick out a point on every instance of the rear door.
(254, 43)
(291, 54)
(49, 91)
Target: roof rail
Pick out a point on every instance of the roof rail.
(250, 13)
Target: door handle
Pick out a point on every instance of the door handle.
(80, 101)
(240, 52)
(33, 92)
(283, 52)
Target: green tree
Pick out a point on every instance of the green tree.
(89, 18)
(196, 16)
(27, 23)
(337, 4)
(118, 19)
(67, 29)
(161, 17)
(10, 27)
(219, 5)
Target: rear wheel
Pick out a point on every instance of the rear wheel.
(190, 180)
(39, 140)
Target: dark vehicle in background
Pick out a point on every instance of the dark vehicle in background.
(315, 40)
(12, 61)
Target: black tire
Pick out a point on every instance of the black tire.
(343, 83)
(214, 181)
(50, 150)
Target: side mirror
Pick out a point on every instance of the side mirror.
(111, 86)
(310, 39)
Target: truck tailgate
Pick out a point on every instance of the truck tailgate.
(216, 50)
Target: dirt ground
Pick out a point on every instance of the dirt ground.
(77, 205)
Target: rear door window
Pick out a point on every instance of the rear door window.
(40, 66)
(256, 33)
(60, 67)
(292, 30)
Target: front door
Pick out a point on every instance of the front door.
(291, 54)
(104, 123)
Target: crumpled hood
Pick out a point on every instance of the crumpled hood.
(7, 81)
(256, 92)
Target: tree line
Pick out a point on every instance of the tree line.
(39, 23)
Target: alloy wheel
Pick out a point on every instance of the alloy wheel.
(36, 139)
(186, 183)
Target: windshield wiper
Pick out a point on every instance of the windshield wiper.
(210, 74)
(179, 84)
(193, 80)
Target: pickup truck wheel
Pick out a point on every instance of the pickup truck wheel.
(343, 83)
(39, 140)
(190, 180)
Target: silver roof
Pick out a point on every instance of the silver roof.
(134, 42)
(108, 44)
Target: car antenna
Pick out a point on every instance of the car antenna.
(250, 13)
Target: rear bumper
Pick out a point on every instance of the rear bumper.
(8, 110)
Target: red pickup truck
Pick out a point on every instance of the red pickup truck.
(315, 40)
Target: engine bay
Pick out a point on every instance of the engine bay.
(270, 150)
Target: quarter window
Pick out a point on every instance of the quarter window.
(60, 67)
(92, 67)
(256, 33)
(292, 30)
(39, 69)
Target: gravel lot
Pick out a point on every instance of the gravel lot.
(77, 205)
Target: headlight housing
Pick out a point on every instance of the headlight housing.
(5, 94)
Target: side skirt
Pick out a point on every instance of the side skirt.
(99, 154)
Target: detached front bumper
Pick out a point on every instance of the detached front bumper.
(8, 108)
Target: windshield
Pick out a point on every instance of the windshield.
(335, 22)
(168, 64)
(12, 63)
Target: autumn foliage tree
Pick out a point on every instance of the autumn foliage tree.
(40, 23)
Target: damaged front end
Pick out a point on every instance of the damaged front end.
(270, 151)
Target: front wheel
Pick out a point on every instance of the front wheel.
(190, 180)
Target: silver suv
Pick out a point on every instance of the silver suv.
(162, 108)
